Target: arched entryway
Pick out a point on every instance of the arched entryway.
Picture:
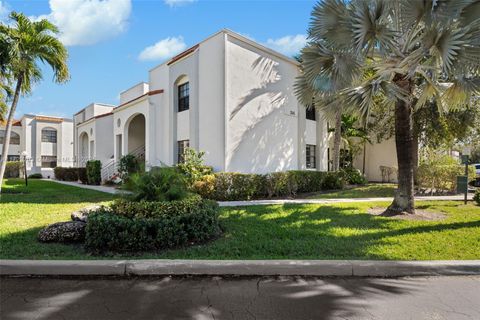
(136, 136)
(83, 149)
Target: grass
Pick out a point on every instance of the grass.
(340, 231)
(25, 210)
(372, 190)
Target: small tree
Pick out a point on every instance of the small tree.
(24, 43)
(417, 52)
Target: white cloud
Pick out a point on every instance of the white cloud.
(288, 45)
(90, 21)
(176, 3)
(163, 49)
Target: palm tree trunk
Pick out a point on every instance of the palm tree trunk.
(337, 139)
(403, 201)
(8, 130)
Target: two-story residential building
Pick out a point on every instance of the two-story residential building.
(46, 141)
(227, 96)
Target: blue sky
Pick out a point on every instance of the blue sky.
(113, 43)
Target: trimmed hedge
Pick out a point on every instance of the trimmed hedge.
(94, 172)
(71, 174)
(12, 169)
(228, 186)
(35, 176)
(146, 225)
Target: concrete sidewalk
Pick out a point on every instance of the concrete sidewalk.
(160, 267)
(105, 189)
(332, 201)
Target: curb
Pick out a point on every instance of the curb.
(321, 268)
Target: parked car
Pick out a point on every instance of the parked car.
(477, 172)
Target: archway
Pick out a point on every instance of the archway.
(136, 136)
(83, 149)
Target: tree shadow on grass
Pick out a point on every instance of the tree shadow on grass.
(198, 298)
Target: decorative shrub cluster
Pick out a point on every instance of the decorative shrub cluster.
(35, 176)
(12, 169)
(476, 197)
(94, 172)
(227, 186)
(71, 174)
(354, 176)
(128, 165)
(193, 167)
(159, 184)
(439, 172)
(151, 225)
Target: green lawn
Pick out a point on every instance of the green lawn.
(372, 190)
(340, 231)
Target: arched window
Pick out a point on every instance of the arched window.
(14, 137)
(49, 135)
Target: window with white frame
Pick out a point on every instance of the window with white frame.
(49, 161)
(49, 135)
(311, 160)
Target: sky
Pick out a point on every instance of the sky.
(113, 43)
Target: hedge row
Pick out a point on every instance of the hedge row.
(146, 225)
(227, 186)
(94, 172)
(12, 169)
(71, 174)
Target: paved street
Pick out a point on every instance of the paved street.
(257, 298)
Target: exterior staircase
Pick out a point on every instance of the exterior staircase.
(110, 169)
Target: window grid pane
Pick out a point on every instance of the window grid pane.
(49, 136)
(311, 159)
(49, 161)
(181, 147)
(183, 97)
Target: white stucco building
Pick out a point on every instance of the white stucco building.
(227, 96)
(47, 141)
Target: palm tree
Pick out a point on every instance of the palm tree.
(27, 43)
(419, 51)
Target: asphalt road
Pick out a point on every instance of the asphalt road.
(255, 298)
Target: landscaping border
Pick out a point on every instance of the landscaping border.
(160, 267)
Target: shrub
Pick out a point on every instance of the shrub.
(94, 172)
(158, 184)
(439, 172)
(146, 225)
(476, 197)
(66, 174)
(35, 176)
(227, 186)
(128, 165)
(82, 175)
(12, 169)
(193, 167)
(354, 176)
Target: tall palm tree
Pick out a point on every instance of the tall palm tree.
(419, 51)
(28, 43)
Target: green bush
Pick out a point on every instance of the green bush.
(94, 172)
(128, 165)
(439, 172)
(66, 174)
(476, 197)
(35, 176)
(146, 225)
(82, 175)
(193, 167)
(227, 186)
(158, 184)
(354, 176)
(12, 169)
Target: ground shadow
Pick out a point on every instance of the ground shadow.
(196, 298)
